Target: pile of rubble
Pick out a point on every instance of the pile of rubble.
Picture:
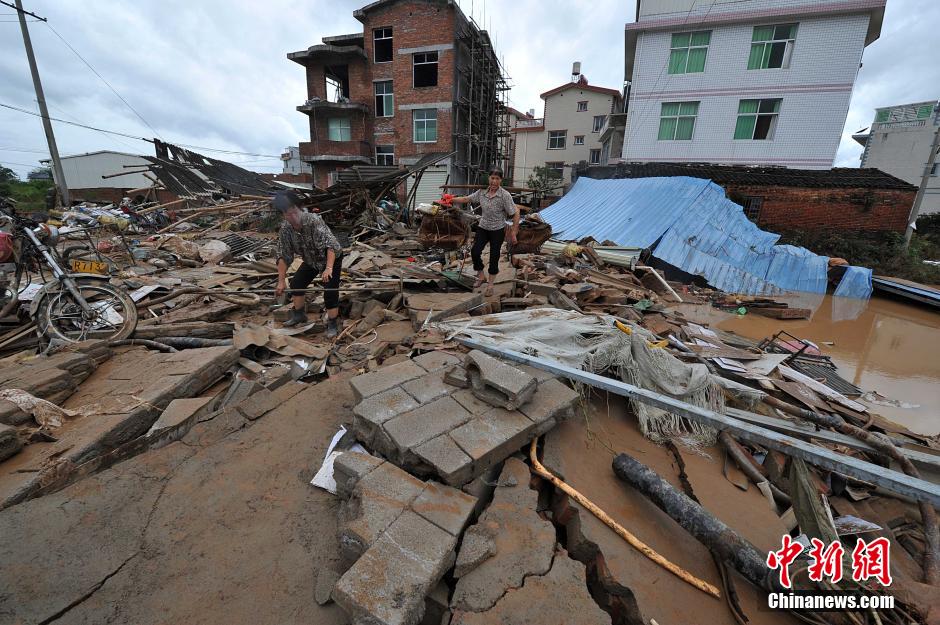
(447, 514)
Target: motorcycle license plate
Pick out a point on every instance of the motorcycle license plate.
(89, 266)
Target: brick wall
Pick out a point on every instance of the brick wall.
(842, 209)
(414, 24)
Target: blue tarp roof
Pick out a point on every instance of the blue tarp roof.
(691, 224)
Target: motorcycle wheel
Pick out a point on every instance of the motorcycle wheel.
(114, 314)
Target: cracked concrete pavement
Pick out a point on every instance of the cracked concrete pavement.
(220, 527)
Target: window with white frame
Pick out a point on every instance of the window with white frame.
(339, 129)
(582, 106)
(688, 51)
(556, 169)
(425, 125)
(599, 122)
(556, 139)
(382, 43)
(757, 119)
(425, 69)
(677, 121)
(384, 99)
(385, 155)
(595, 157)
(579, 139)
(772, 46)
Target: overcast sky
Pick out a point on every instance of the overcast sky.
(214, 73)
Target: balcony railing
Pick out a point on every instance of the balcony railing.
(530, 123)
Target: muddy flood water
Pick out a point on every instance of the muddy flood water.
(890, 347)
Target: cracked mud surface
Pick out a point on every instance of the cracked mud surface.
(222, 527)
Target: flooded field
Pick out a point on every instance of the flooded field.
(890, 347)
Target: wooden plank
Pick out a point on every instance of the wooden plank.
(894, 481)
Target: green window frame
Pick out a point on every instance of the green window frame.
(925, 111)
(688, 52)
(340, 129)
(772, 46)
(425, 125)
(677, 121)
(882, 116)
(757, 119)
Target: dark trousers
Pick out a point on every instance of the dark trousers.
(495, 239)
(307, 274)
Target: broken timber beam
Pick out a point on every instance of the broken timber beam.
(896, 482)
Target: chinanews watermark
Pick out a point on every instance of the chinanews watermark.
(870, 568)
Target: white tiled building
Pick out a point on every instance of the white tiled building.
(748, 82)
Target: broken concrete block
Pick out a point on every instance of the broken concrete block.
(446, 459)
(427, 388)
(326, 580)
(411, 429)
(437, 606)
(180, 413)
(491, 437)
(498, 383)
(478, 546)
(377, 500)
(542, 599)
(457, 376)
(435, 360)
(445, 507)
(349, 467)
(372, 412)
(260, 402)
(369, 384)
(524, 543)
(10, 443)
(388, 584)
(552, 402)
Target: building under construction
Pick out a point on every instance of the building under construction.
(421, 78)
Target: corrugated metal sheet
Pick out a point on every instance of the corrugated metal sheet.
(689, 223)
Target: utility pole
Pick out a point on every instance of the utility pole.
(46, 123)
(919, 198)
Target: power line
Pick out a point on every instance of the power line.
(124, 134)
(113, 90)
(18, 10)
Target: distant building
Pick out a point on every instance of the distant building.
(779, 198)
(293, 164)
(420, 78)
(899, 143)
(44, 173)
(84, 175)
(750, 82)
(569, 132)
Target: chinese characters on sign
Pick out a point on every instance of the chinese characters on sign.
(869, 560)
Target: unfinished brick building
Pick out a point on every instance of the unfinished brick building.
(780, 198)
(420, 78)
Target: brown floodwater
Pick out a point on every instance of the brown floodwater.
(890, 347)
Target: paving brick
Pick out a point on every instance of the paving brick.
(428, 388)
(388, 584)
(492, 437)
(413, 428)
(369, 384)
(445, 507)
(497, 382)
(447, 459)
(457, 376)
(350, 467)
(435, 361)
(473, 404)
(540, 375)
(553, 402)
(372, 412)
(377, 500)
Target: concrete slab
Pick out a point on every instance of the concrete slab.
(411, 429)
(350, 467)
(492, 437)
(445, 507)
(471, 402)
(435, 360)
(372, 412)
(553, 401)
(388, 584)
(180, 411)
(369, 384)
(446, 459)
(427, 388)
(542, 599)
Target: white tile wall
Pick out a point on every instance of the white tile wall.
(815, 89)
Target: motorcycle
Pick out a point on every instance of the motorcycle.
(72, 306)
